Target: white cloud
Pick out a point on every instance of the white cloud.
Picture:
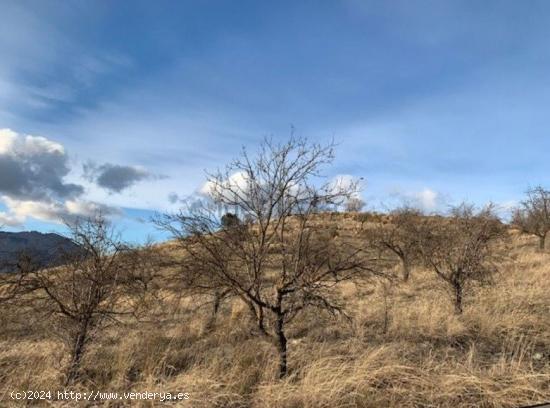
(427, 199)
(346, 183)
(34, 168)
(57, 212)
(237, 181)
(36, 145)
(19, 210)
(15, 144)
(83, 208)
(7, 140)
(343, 181)
(207, 189)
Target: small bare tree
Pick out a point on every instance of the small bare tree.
(398, 236)
(89, 289)
(354, 204)
(533, 214)
(13, 274)
(14, 268)
(460, 248)
(276, 259)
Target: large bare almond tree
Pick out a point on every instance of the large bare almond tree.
(278, 258)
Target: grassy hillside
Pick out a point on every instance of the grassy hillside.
(403, 347)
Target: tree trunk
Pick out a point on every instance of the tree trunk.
(386, 312)
(406, 269)
(542, 241)
(257, 317)
(281, 345)
(76, 355)
(214, 313)
(458, 299)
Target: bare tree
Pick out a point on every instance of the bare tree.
(398, 236)
(276, 259)
(460, 248)
(354, 204)
(88, 291)
(533, 214)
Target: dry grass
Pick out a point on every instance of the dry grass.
(404, 348)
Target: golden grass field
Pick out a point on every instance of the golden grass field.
(404, 348)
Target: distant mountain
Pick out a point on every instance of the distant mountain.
(45, 249)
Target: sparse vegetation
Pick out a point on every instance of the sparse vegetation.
(283, 303)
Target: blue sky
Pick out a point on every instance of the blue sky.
(430, 101)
